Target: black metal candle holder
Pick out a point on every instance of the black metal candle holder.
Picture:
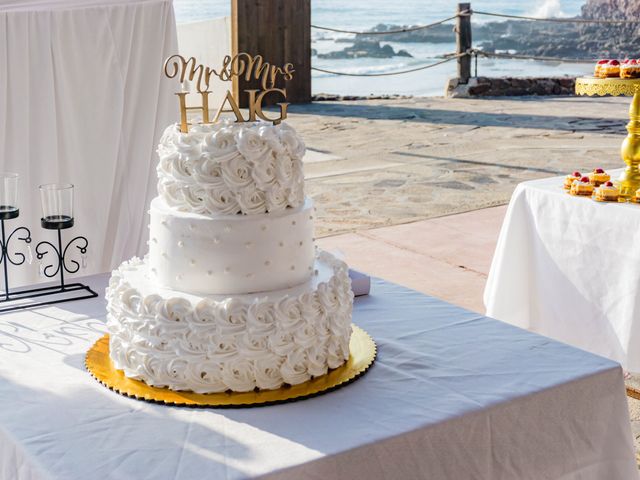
(72, 291)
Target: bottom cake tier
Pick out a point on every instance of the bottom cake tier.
(216, 343)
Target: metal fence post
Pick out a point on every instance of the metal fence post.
(463, 41)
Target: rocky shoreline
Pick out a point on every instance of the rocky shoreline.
(524, 37)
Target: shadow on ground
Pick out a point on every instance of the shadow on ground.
(380, 111)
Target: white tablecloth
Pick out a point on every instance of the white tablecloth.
(452, 395)
(84, 101)
(569, 268)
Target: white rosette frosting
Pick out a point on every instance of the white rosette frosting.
(231, 168)
(169, 335)
(212, 344)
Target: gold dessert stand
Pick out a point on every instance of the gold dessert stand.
(629, 181)
(362, 355)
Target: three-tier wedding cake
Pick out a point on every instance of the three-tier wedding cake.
(233, 294)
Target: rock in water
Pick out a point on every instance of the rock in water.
(366, 48)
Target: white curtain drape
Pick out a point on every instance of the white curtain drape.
(83, 100)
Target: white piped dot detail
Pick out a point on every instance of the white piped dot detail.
(227, 229)
(248, 245)
(154, 240)
(216, 239)
(178, 277)
(180, 243)
(192, 262)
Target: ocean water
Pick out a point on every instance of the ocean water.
(361, 15)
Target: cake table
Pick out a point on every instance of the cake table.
(453, 395)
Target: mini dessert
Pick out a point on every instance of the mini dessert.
(610, 69)
(630, 69)
(636, 197)
(598, 177)
(569, 179)
(582, 187)
(598, 70)
(607, 192)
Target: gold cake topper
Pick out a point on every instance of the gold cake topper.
(236, 66)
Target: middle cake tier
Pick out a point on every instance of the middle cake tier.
(231, 254)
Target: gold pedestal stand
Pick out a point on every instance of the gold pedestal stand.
(362, 349)
(629, 181)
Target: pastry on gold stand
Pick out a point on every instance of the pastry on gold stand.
(630, 69)
(629, 181)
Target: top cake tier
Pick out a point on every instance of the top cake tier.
(231, 168)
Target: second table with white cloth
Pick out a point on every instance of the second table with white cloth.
(569, 268)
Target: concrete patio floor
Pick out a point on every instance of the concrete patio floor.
(375, 163)
(447, 257)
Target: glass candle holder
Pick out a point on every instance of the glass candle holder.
(57, 205)
(9, 195)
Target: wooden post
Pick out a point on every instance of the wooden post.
(463, 42)
(280, 31)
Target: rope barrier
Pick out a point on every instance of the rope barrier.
(475, 52)
(467, 13)
(386, 74)
(531, 57)
(558, 20)
(389, 32)
(454, 56)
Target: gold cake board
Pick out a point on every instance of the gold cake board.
(362, 354)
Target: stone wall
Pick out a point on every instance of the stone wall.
(510, 86)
